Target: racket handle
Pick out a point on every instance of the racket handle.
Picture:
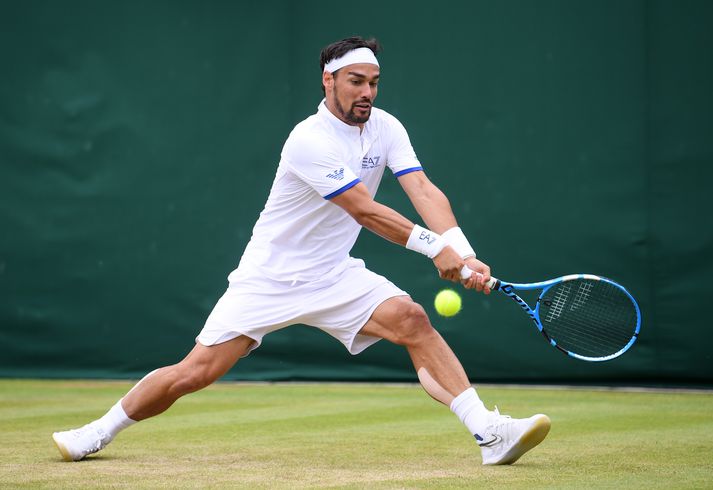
(493, 283)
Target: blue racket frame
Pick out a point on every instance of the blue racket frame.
(509, 288)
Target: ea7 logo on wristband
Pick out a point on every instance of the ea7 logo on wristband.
(425, 241)
(425, 235)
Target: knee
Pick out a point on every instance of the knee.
(414, 326)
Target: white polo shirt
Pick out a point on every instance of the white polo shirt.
(300, 235)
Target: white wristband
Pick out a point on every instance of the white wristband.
(456, 239)
(425, 241)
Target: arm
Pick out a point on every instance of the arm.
(435, 209)
(373, 216)
(430, 202)
(392, 226)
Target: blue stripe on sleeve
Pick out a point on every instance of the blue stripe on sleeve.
(407, 171)
(342, 189)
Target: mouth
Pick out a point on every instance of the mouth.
(364, 106)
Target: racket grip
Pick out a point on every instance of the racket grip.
(493, 283)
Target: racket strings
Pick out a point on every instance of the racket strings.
(595, 331)
(585, 337)
(588, 317)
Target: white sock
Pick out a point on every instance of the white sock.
(471, 411)
(114, 421)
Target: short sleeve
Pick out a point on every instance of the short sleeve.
(318, 163)
(402, 158)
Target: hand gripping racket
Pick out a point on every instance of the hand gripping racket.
(587, 317)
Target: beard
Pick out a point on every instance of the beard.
(350, 115)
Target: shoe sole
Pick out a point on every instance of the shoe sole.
(531, 438)
(62, 449)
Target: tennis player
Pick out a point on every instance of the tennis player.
(297, 268)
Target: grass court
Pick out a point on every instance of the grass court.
(355, 436)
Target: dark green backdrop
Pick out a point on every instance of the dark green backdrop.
(138, 141)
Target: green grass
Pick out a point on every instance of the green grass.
(354, 436)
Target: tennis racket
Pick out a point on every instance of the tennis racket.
(587, 317)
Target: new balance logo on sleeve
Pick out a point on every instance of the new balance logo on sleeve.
(337, 174)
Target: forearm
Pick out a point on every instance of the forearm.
(385, 222)
(375, 217)
(434, 208)
(429, 201)
(388, 223)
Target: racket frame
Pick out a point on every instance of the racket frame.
(509, 288)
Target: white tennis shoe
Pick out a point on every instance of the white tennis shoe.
(76, 444)
(506, 439)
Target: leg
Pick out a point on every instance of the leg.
(153, 395)
(503, 440)
(201, 367)
(404, 322)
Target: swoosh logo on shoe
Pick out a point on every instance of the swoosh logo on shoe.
(496, 439)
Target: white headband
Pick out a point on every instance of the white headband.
(359, 55)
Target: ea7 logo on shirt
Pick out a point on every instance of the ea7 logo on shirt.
(337, 174)
(370, 162)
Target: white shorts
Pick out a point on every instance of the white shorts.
(339, 303)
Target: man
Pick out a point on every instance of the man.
(297, 269)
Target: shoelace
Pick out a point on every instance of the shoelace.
(97, 443)
(500, 421)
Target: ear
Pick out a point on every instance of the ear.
(327, 80)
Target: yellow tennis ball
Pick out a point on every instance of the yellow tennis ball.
(447, 302)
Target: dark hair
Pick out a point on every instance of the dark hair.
(340, 48)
